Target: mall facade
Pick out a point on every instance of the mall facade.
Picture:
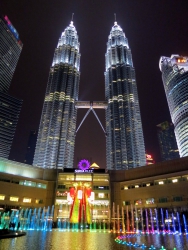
(161, 185)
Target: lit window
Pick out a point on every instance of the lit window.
(179, 198)
(125, 187)
(138, 202)
(175, 180)
(41, 185)
(161, 182)
(148, 184)
(126, 203)
(13, 198)
(2, 197)
(100, 195)
(150, 201)
(59, 201)
(38, 201)
(27, 200)
(136, 186)
(163, 200)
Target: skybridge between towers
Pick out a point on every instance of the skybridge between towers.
(91, 105)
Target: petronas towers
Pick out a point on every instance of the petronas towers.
(56, 139)
(125, 144)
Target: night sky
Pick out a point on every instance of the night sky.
(153, 28)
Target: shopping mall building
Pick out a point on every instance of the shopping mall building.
(162, 185)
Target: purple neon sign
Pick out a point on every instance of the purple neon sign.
(84, 164)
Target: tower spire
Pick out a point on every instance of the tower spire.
(115, 22)
(71, 23)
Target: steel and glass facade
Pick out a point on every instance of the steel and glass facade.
(175, 80)
(56, 137)
(125, 143)
(10, 49)
(167, 141)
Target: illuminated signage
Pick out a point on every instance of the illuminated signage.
(149, 159)
(148, 156)
(84, 164)
(11, 27)
(83, 171)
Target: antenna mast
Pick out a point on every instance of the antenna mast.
(72, 17)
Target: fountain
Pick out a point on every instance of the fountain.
(179, 225)
(173, 224)
(157, 222)
(147, 227)
(149, 220)
(28, 219)
(162, 220)
(167, 219)
(129, 219)
(185, 224)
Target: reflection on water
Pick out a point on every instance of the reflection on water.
(55, 240)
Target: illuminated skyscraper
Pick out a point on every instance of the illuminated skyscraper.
(175, 80)
(167, 141)
(125, 142)
(10, 49)
(56, 137)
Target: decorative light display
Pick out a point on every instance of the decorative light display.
(82, 197)
(121, 240)
(84, 164)
(11, 27)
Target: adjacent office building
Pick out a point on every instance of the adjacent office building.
(10, 49)
(56, 137)
(167, 141)
(175, 79)
(125, 143)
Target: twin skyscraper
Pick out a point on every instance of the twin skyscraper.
(56, 139)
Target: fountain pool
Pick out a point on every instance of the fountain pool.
(55, 240)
